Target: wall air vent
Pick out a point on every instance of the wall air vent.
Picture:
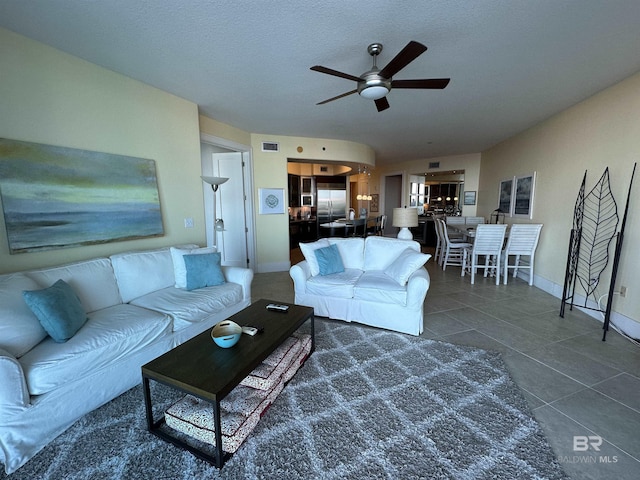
(434, 164)
(324, 169)
(270, 147)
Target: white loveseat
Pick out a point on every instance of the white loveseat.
(134, 314)
(384, 283)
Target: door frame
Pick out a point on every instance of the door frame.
(383, 195)
(247, 159)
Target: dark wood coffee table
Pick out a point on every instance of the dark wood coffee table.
(201, 368)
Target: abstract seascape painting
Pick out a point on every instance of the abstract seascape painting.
(58, 197)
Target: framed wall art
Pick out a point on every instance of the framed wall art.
(523, 195)
(58, 197)
(470, 198)
(515, 197)
(374, 204)
(271, 201)
(505, 195)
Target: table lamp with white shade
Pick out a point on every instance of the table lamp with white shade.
(405, 218)
(215, 182)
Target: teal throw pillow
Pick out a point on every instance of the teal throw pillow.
(203, 270)
(329, 260)
(58, 309)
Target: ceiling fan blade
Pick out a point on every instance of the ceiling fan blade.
(335, 73)
(424, 83)
(382, 104)
(407, 55)
(336, 97)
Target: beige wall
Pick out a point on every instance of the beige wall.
(49, 97)
(602, 131)
(270, 171)
(222, 130)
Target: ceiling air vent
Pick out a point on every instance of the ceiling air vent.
(270, 147)
(434, 164)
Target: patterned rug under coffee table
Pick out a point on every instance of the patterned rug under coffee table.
(367, 404)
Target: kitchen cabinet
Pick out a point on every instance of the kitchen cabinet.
(302, 231)
(294, 190)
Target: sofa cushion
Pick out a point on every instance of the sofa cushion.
(179, 268)
(407, 263)
(20, 330)
(380, 252)
(203, 270)
(140, 273)
(376, 286)
(308, 250)
(351, 251)
(58, 309)
(329, 260)
(189, 307)
(109, 335)
(337, 285)
(93, 281)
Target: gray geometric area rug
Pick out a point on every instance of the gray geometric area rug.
(368, 404)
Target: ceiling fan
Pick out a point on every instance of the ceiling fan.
(375, 84)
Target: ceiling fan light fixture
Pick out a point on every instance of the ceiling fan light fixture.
(374, 92)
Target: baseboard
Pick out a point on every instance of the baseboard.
(625, 324)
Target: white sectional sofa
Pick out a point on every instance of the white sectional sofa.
(384, 283)
(134, 313)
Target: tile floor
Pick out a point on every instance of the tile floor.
(584, 392)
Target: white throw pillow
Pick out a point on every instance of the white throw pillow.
(20, 330)
(308, 250)
(407, 263)
(380, 252)
(351, 251)
(179, 268)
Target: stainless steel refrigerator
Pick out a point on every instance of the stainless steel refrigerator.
(331, 201)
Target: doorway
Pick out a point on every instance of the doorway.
(233, 202)
(392, 199)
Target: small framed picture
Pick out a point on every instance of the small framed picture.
(271, 201)
(375, 199)
(470, 198)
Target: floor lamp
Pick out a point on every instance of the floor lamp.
(215, 182)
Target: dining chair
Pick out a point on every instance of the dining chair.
(373, 226)
(488, 242)
(474, 220)
(439, 242)
(383, 222)
(359, 227)
(523, 240)
(454, 234)
(453, 251)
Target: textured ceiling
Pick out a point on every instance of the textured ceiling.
(246, 63)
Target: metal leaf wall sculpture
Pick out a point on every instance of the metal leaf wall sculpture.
(595, 223)
(599, 226)
(578, 214)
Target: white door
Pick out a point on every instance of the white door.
(230, 207)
